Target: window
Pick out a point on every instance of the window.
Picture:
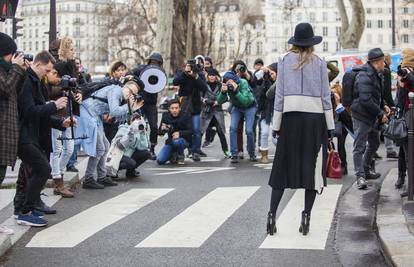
(325, 46)
(36, 33)
(369, 11)
(390, 23)
(338, 31)
(379, 24)
(369, 24)
(406, 23)
(259, 48)
(325, 31)
(249, 48)
(43, 45)
(338, 46)
(405, 38)
(37, 46)
(379, 10)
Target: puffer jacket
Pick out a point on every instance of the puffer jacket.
(242, 98)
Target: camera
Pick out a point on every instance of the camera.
(402, 72)
(68, 82)
(28, 57)
(169, 129)
(138, 97)
(192, 63)
(241, 68)
(231, 88)
(196, 65)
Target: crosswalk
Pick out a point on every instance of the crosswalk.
(194, 224)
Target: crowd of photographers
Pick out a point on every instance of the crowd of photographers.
(50, 108)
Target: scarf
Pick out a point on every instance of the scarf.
(7, 66)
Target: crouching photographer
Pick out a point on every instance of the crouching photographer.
(12, 74)
(178, 127)
(132, 140)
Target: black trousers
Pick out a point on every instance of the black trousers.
(3, 170)
(341, 147)
(402, 166)
(32, 156)
(151, 113)
(110, 130)
(220, 133)
(133, 162)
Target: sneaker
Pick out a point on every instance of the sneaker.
(6, 230)
(31, 220)
(107, 181)
(153, 156)
(234, 159)
(202, 154)
(34, 212)
(43, 208)
(174, 158)
(196, 157)
(90, 183)
(180, 160)
(392, 155)
(377, 156)
(361, 183)
(240, 155)
(71, 169)
(130, 174)
(206, 144)
(371, 175)
(227, 154)
(253, 158)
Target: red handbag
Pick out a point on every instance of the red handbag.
(333, 167)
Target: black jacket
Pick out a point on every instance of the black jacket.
(182, 124)
(368, 103)
(190, 89)
(402, 95)
(387, 87)
(265, 105)
(36, 116)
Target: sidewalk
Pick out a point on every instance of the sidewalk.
(395, 222)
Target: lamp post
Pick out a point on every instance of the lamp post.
(394, 42)
(52, 21)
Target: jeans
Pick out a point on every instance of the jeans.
(176, 145)
(264, 134)
(74, 157)
(32, 156)
(62, 152)
(236, 115)
(151, 113)
(97, 164)
(389, 145)
(363, 152)
(196, 138)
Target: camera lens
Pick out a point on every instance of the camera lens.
(141, 127)
(153, 79)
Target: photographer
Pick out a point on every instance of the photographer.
(265, 108)
(192, 84)
(177, 125)
(62, 150)
(119, 102)
(36, 117)
(367, 115)
(132, 139)
(150, 109)
(212, 114)
(237, 91)
(12, 74)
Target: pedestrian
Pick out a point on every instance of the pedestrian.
(368, 115)
(236, 90)
(209, 132)
(177, 125)
(301, 121)
(265, 108)
(36, 117)
(212, 113)
(82, 75)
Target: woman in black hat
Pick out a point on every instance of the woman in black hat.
(302, 117)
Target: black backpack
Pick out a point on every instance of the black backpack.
(89, 88)
(348, 82)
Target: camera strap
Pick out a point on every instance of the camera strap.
(100, 99)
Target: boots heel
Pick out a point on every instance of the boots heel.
(304, 225)
(271, 224)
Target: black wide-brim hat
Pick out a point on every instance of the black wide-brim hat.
(304, 36)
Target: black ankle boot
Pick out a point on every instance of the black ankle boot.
(304, 225)
(400, 181)
(271, 223)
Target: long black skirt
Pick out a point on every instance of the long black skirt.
(301, 152)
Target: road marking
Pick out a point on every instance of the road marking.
(20, 230)
(288, 236)
(189, 170)
(197, 223)
(6, 197)
(266, 166)
(78, 228)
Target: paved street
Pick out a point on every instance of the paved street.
(210, 213)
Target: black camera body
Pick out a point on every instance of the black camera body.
(231, 88)
(241, 68)
(68, 83)
(169, 130)
(28, 57)
(402, 72)
(138, 97)
(196, 67)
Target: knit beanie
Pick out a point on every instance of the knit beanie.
(273, 66)
(213, 72)
(408, 59)
(7, 45)
(230, 75)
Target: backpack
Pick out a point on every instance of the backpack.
(89, 88)
(348, 82)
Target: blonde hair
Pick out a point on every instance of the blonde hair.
(305, 55)
(337, 88)
(65, 45)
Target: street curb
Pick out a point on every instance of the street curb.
(70, 179)
(396, 239)
(5, 243)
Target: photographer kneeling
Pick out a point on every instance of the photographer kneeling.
(237, 91)
(132, 140)
(178, 127)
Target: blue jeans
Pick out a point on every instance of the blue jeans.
(196, 138)
(74, 157)
(236, 115)
(176, 145)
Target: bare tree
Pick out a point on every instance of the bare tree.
(351, 30)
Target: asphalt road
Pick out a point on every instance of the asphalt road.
(212, 215)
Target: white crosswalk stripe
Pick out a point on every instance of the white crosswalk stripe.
(187, 170)
(288, 236)
(96, 218)
(197, 223)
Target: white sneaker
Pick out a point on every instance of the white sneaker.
(6, 230)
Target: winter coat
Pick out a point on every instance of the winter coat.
(10, 86)
(129, 140)
(265, 104)
(368, 103)
(209, 112)
(402, 96)
(190, 91)
(387, 87)
(242, 98)
(36, 116)
(181, 124)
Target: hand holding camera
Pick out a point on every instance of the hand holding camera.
(402, 72)
(61, 103)
(18, 59)
(68, 122)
